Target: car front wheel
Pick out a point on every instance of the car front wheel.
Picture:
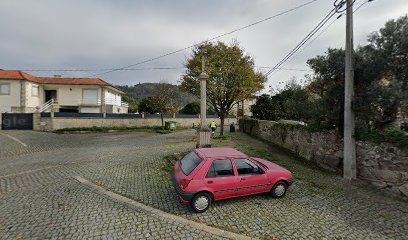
(279, 189)
(201, 202)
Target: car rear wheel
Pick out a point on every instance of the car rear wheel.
(201, 202)
(279, 189)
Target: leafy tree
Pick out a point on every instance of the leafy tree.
(327, 86)
(381, 85)
(390, 48)
(161, 102)
(133, 105)
(147, 106)
(232, 77)
(378, 89)
(294, 102)
(266, 109)
(191, 108)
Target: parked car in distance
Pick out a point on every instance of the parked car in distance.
(211, 174)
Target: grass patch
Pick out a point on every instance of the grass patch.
(157, 129)
(163, 131)
(169, 161)
(222, 137)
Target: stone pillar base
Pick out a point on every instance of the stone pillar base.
(36, 121)
(204, 136)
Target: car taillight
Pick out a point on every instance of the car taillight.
(184, 183)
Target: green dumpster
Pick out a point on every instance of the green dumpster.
(170, 125)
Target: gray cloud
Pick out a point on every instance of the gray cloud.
(47, 34)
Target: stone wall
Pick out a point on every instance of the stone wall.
(51, 124)
(384, 166)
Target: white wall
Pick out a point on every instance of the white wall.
(112, 98)
(12, 100)
(70, 95)
(67, 95)
(90, 110)
(119, 109)
(59, 123)
(31, 100)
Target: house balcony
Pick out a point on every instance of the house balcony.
(107, 102)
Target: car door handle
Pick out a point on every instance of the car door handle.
(209, 182)
(243, 179)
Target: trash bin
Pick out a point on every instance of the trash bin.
(170, 125)
(232, 127)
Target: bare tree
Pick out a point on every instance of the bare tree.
(163, 100)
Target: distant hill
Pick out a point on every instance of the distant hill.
(134, 94)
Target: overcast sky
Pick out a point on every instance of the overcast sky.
(103, 34)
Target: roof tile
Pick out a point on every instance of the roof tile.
(19, 75)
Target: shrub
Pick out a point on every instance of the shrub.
(395, 136)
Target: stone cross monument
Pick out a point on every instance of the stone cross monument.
(204, 133)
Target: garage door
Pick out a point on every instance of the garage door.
(17, 121)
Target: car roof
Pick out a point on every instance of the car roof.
(219, 152)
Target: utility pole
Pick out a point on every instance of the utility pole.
(349, 162)
(204, 134)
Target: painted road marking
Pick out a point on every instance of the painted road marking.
(28, 172)
(160, 214)
(13, 138)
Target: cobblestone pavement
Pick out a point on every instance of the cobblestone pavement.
(39, 198)
(43, 201)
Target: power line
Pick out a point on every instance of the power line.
(314, 39)
(211, 39)
(325, 29)
(304, 40)
(105, 69)
(175, 68)
(361, 5)
(287, 69)
(134, 69)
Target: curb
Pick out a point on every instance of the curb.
(161, 214)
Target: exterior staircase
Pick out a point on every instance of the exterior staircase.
(44, 107)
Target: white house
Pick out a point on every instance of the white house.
(23, 93)
(244, 107)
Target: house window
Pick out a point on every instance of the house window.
(90, 96)
(4, 88)
(34, 91)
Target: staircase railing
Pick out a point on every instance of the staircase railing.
(45, 106)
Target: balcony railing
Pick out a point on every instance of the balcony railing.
(90, 101)
(98, 102)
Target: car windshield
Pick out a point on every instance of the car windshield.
(189, 163)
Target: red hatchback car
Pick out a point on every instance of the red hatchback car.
(212, 174)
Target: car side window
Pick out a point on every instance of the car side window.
(246, 167)
(220, 168)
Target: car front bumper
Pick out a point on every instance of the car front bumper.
(185, 197)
